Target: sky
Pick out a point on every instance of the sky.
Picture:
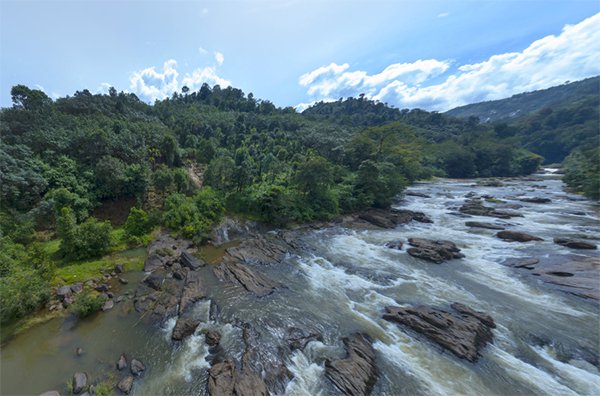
(433, 55)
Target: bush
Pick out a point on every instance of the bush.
(90, 239)
(85, 304)
(137, 223)
(22, 292)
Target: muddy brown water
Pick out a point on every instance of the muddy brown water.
(342, 286)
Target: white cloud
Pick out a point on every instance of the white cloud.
(202, 50)
(207, 75)
(150, 85)
(39, 87)
(219, 57)
(103, 88)
(445, 14)
(552, 60)
(203, 12)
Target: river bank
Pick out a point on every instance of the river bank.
(338, 280)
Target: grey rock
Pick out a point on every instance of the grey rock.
(108, 305)
(122, 363)
(436, 251)
(477, 224)
(178, 275)
(298, 338)
(243, 275)
(214, 311)
(123, 281)
(101, 287)
(79, 351)
(153, 263)
(64, 292)
(118, 268)
(80, 380)
(50, 393)
(183, 329)
(154, 281)
(394, 245)
(258, 251)
(212, 338)
(125, 384)
(67, 302)
(191, 262)
(536, 200)
(137, 367)
(513, 236)
(575, 243)
(77, 288)
(194, 290)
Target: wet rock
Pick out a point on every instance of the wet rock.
(575, 243)
(166, 244)
(475, 208)
(503, 214)
(513, 236)
(213, 338)
(122, 363)
(153, 263)
(118, 268)
(292, 240)
(183, 329)
(241, 274)
(221, 378)
(162, 304)
(80, 381)
(258, 251)
(50, 393)
(178, 275)
(416, 194)
(536, 200)
(191, 262)
(392, 217)
(356, 373)
(463, 333)
(120, 299)
(214, 311)
(77, 288)
(154, 281)
(79, 351)
(110, 294)
(137, 367)
(108, 305)
(248, 382)
(67, 302)
(101, 287)
(194, 290)
(477, 224)
(125, 384)
(394, 245)
(104, 296)
(432, 250)
(123, 281)
(64, 292)
(297, 338)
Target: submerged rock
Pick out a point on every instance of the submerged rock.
(194, 290)
(432, 250)
(575, 243)
(241, 274)
(394, 245)
(416, 194)
(356, 373)
(489, 226)
(297, 338)
(463, 333)
(184, 328)
(513, 236)
(214, 311)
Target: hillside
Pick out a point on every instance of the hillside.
(510, 109)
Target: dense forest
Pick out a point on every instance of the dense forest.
(61, 160)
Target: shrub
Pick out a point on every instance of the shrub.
(21, 293)
(85, 304)
(90, 239)
(137, 223)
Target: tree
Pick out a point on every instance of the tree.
(162, 179)
(137, 223)
(181, 179)
(28, 99)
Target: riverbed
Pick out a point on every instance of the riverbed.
(342, 285)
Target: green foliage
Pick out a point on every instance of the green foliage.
(162, 179)
(86, 303)
(181, 179)
(192, 216)
(90, 239)
(582, 172)
(137, 223)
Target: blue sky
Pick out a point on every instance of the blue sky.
(435, 55)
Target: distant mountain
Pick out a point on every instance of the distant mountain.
(509, 109)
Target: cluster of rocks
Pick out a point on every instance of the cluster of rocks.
(391, 218)
(463, 332)
(474, 207)
(436, 251)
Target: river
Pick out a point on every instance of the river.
(342, 286)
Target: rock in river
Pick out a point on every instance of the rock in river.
(125, 384)
(50, 393)
(356, 373)
(477, 224)
(394, 245)
(259, 251)
(122, 363)
(153, 280)
(137, 367)
(225, 379)
(183, 329)
(191, 262)
(463, 333)
(298, 338)
(575, 243)
(80, 380)
(432, 250)
(513, 236)
(251, 280)
(194, 289)
(153, 262)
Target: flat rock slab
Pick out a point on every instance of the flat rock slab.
(489, 226)
(252, 280)
(513, 236)
(225, 379)
(436, 251)
(356, 373)
(575, 243)
(194, 290)
(298, 338)
(476, 208)
(50, 393)
(162, 304)
(463, 333)
(392, 217)
(258, 251)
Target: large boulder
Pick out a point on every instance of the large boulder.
(225, 379)
(536, 200)
(212, 338)
(513, 236)
(64, 292)
(184, 328)
(575, 243)
(77, 288)
(154, 281)
(356, 373)
(390, 218)
(194, 290)
(433, 250)
(162, 304)
(137, 367)
(118, 268)
(463, 333)
(80, 381)
(152, 263)
(298, 338)
(191, 262)
(125, 384)
(241, 274)
(477, 224)
(394, 245)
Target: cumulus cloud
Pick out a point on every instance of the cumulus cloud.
(39, 87)
(219, 57)
(103, 88)
(552, 60)
(206, 75)
(202, 50)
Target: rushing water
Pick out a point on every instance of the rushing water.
(342, 286)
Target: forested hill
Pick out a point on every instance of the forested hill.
(509, 109)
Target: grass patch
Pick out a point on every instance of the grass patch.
(12, 329)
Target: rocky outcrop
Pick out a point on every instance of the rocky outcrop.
(162, 304)
(394, 245)
(152, 263)
(153, 281)
(575, 243)
(392, 217)
(476, 208)
(233, 228)
(191, 262)
(536, 200)
(258, 251)
(184, 328)
(166, 243)
(241, 274)
(477, 224)
(137, 367)
(513, 236)
(80, 381)
(356, 373)
(463, 333)
(125, 384)
(297, 338)
(194, 290)
(292, 240)
(225, 379)
(432, 250)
